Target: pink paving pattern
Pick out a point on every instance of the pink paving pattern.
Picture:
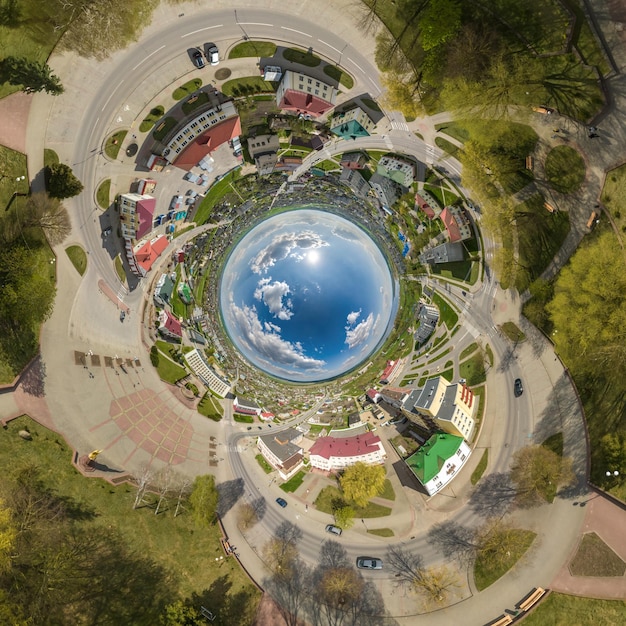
(153, 425)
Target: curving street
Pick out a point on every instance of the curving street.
(98, 413)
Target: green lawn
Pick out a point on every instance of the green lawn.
(559, 609)
(78, 258)
(217, 191)
(267, 468)
(481, 467)
(103, 194)
(114, 143)
(473, 370)
(12, 166)
(210, 408)
(343, 78)
(565, 169)
(119, 269)
(302, 57)
(253, 49)
(293, 483)
(554, 443)
(388, 492)
(243, 419)
(247, 85)
(156, 113)
(486, 572)
(512, 332)
(195, 102)
(164, 128)
(330, 499)
(469, 350)
(381, 532)
(169, 371)
(50, 157)
(447, 146)
(448, 314)
(186, 554)
(186, 89)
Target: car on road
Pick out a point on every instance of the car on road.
(213, 55)
(198, 59)
(106, 232)
(369, 562)
(281, 502)
(518, 388)
(335, 530)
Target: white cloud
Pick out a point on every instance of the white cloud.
(270, 345)
(284, 245)
(353, 317)
(361, 332)
(272, 295)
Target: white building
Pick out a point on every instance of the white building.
(203, 371)
(334, 453)
(282, 452)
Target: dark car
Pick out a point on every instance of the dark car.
(282, 502)
(518, 388)
(198, 59)
(369, 562)
(335, 530)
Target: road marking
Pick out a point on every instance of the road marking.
(293, 30)
(353, 63)
(109, 98)
(399, 125)
(147, 57)
(254, 24)
(331, 47)
(193, 32)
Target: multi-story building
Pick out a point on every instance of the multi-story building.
(335, 453)
(136, 213)
(218, 385)
(457, 223)
(438, 461)
(282, 452)
(350, 124)
(303, 94)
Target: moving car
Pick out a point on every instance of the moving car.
(369, 562)
(281, 502)
(335, 530)
(198, 59)
(518, 388)
(213, 55)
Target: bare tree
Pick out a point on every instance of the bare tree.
(247, 516)
(142, 481)
(291, 592)
(164, 481)
(454, 541)
(281, 551)
(183, 489)
(49, 214)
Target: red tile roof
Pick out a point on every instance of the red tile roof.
(327, 447)
(294, 100)
(424, 206)
(173, 325)
(150, 252)
(207, 142)
(451, 226)
(145, 212)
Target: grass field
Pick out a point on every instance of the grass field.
(302, 57)
(486, 572)
(247, 85)
(512, 332)
(185, 552)
(293, 483)
(559, 609)
(381, 532)
(217, 191)
(448, 315)
(103, 194)
(169, 371)
(210, 408)
(12, 166)
(343, 78)
(267, 468)
(481, 467)
(565, 169)
(114, 143)
(253, 49)
(473, 369)
(186, 89)
(595, 558)
(78, 258)
(119, 269)
(155, 114)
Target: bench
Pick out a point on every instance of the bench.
(503, 620)
(530, 163)
(207, 614)
(531, 599)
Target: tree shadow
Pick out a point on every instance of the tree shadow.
(494, 495)
(260, 507)
(32, 380)
(229, 494)
(454, 541)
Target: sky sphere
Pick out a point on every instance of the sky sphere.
(307, 295)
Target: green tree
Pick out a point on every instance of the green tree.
(203, 499)
(360, 482)
(344, 517)
(180, 613)
(31, 75)
(402, 94)
(439, 22)
(8, 534)
(61, 182)
(537, 472)
(10, 13)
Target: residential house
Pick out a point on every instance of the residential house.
(352, 123)
(354, 160)
(391, 371)
(282, 452)
(438, 461)
(264, 150)
(457, 223)
(163, 290)
(335, 453)
(245, 406)
(355, 180)
(136, 213)
(170, 327)
(303, 94)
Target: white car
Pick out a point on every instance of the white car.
(213, 55)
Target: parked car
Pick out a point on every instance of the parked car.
(518, 388)
(106, 232)
(369, 562)
(281, 502)
(198, 59)
(335, 530)
(213, 55)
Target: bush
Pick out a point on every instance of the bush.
(154, 356)
(61, 182)
(193, 388)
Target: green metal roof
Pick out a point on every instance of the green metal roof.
(350, 130)
(429, 459)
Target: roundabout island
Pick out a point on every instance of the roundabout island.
(246, 313)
